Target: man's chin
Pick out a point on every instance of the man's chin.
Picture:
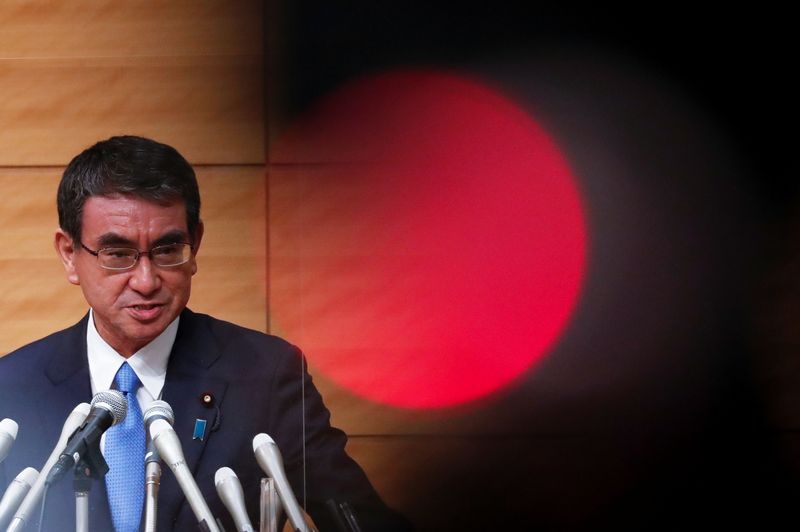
(137, 334)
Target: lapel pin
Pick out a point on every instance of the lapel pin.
(199, 429)
(207, 398)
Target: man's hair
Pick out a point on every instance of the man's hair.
(129, 166)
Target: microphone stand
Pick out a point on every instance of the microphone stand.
(82, 485)
(152, 481)
(92, 466)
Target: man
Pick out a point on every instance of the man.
(130, 231)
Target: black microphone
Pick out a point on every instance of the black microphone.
(108, 408)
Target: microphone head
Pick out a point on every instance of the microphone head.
(159, 410)
(27, 476)
(262, 439)
(81, 409)
(158, 427)
(73, 421)
(9, 427)
(223, 474)
(112, 401)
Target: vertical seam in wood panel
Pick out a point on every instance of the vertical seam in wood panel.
(265, 128)
(268, 254)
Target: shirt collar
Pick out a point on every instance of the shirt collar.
(149, 363)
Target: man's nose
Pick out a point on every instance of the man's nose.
(145, 277)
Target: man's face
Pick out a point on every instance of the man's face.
(131, 307)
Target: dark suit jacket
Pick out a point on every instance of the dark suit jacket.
(256, 381)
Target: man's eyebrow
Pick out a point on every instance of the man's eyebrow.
(171, 237)
(113, 239)
(117, 240)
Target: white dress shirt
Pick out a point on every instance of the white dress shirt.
(149, 363)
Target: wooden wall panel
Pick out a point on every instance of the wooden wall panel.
(231, 279)
(211, 107)
(100, 28)
(38, 300)
(185, 73)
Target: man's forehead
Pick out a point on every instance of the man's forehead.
(121, 198)
(127, 216)
(126, 203)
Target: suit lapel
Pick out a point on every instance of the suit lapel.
(189, 378)
(68, 372)
(68, 369)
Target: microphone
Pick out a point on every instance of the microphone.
(169, 447)
(269, 458)
(17, 489)
(230, 492)
(8, 433)
(158, 409)
(73, 421)
(152, 462)
(108, 408)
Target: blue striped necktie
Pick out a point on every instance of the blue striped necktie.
(124, 453)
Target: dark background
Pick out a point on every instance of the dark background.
(670, 402)
(733, 63)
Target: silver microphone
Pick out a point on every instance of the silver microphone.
(8, 433)
(158, 409)
(230, 492)
(152, 462)
(269, 458)
(14, 494)
(73, 421)
(169, 447)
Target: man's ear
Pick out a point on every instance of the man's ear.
(198, 238)
(66, 248)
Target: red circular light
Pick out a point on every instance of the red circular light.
(435, 249)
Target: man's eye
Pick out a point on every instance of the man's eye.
(169, 249)
(118, 253)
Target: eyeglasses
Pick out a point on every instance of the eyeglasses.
(126, 258)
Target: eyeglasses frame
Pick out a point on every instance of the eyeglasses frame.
(139, 254)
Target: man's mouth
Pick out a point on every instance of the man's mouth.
(145, 312)
(145, 307)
